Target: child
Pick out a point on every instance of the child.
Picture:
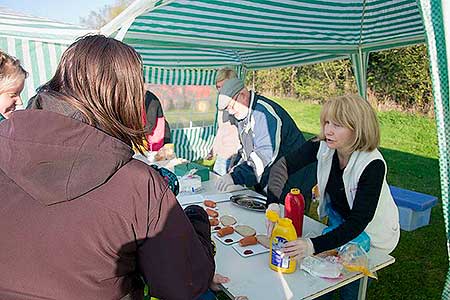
(156, 122)
(12, 80)
(351, 175)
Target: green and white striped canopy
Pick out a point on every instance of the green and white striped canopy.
(20, 26)
(38, 43)
(257, 34)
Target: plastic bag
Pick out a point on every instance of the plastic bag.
(325, 267)
(354, 259)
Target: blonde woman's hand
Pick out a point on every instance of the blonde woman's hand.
(299, 248)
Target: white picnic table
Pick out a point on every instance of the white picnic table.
(252, 277)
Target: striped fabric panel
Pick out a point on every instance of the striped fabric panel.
(168, 57)
(156, 75)
(179, 76)
(193, 143)
(360, 61)
(40, 59)
(316, 25)
(391, 21)
(21, 26)
(173, 58)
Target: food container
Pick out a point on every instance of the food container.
(183, 169)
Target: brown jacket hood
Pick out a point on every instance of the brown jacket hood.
(67, 165)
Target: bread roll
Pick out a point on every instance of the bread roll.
(245, 230)
(227, 220)
(263, 240)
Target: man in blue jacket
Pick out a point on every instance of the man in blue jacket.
(266, 132)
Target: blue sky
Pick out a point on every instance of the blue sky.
(68, 11)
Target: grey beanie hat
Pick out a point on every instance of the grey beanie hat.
(229, 89)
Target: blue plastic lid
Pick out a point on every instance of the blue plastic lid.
(410, 199)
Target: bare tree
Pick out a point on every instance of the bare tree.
(96, 19)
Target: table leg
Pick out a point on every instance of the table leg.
(362, 288)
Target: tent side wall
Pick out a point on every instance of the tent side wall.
(39, 59)
(38, 43)
(437, 31)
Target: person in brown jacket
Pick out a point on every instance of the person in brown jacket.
(79, 218)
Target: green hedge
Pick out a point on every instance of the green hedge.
(397, 76)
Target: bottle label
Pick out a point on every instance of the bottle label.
(277, 259)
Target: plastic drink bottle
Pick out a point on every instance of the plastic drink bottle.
(294, 209)
(283, 232)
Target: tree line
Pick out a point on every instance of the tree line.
(396, 78)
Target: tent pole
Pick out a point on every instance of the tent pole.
(124, 29)
(360, 61)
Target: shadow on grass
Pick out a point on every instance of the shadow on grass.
(421, 255)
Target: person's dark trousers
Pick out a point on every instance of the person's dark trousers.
(304, 179)
(208, 295)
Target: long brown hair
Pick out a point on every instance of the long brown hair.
(10, 71)
(102, 78)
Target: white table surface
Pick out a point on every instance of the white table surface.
(252, 277)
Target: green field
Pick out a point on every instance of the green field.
(409, 145)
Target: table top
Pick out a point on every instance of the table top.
(252, 277)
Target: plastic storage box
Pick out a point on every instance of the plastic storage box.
(414, 208)
(182, 169)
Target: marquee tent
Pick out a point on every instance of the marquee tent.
(176, 37)
(184, 42)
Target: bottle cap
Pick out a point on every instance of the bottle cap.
(273, 216)
(285, 222)
(295, 191)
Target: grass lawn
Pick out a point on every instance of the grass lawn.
(409, 146)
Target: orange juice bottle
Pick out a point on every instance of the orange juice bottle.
(283, 232)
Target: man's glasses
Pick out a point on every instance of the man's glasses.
(231, 104)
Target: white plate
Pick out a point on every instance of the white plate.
(235, 237)
(256, 249)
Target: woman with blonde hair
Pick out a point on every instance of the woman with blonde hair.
(351, 176)
(12, 80)
(79, 218)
